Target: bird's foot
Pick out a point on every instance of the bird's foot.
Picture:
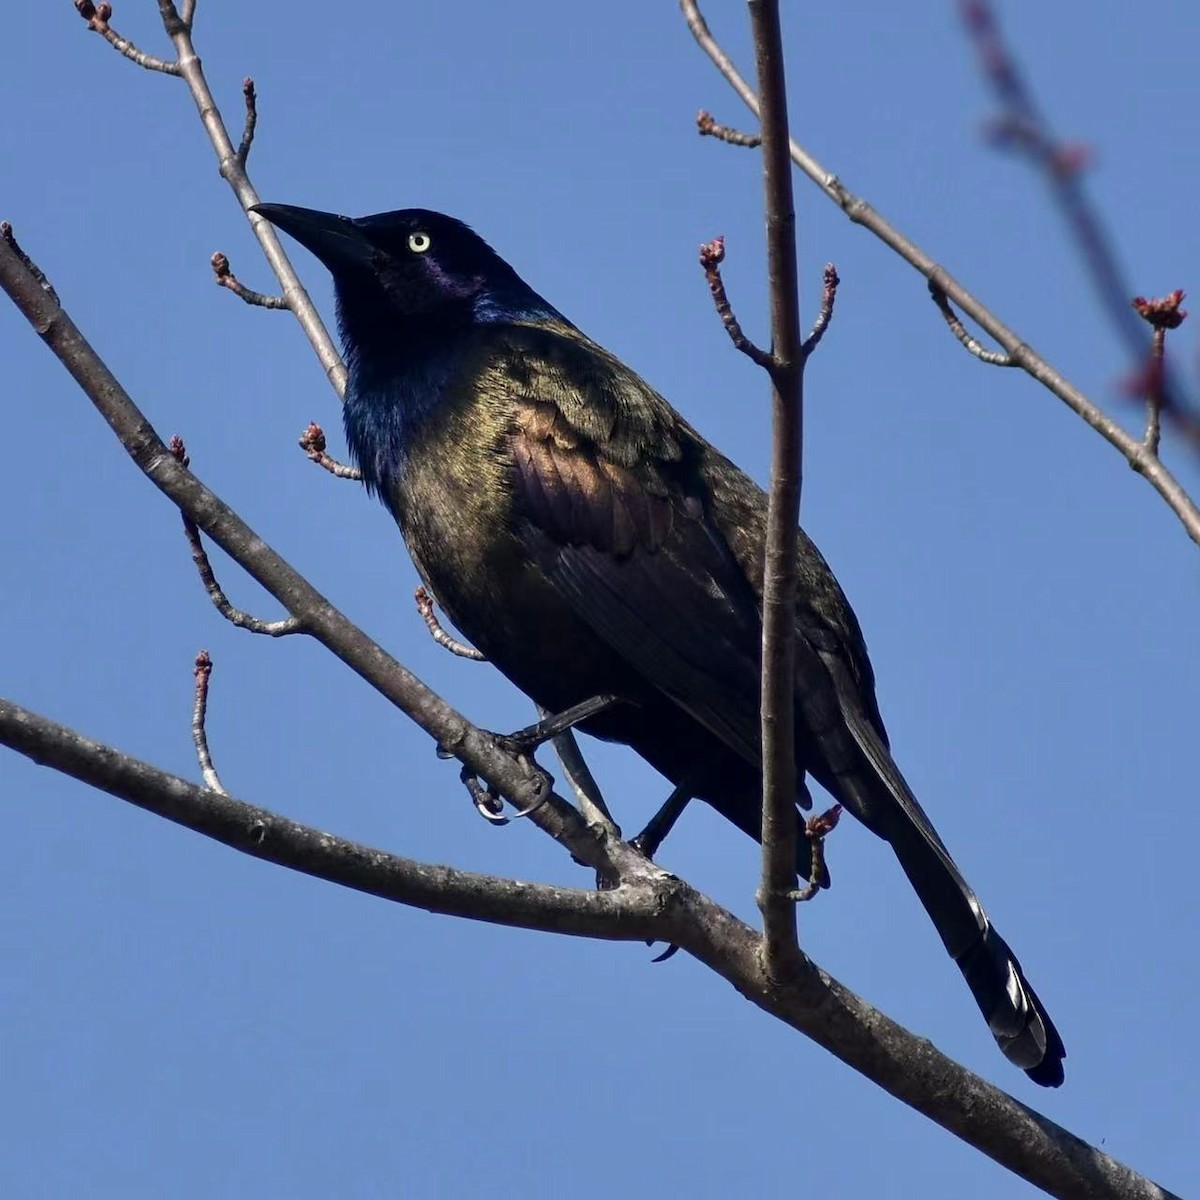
(490, 804)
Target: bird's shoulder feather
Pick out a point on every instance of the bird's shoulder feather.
(598, 456)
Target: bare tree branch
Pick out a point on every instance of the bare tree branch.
(786, 369)
(1023, 355)
(627, 913)
(655, 906)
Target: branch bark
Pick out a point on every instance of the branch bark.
(786, 370)
(627, 913)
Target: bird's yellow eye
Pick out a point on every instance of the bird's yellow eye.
(418, 243)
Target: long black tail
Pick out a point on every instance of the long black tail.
(864, 777)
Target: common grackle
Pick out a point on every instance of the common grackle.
(590, 542)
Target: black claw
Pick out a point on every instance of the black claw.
(669, 952)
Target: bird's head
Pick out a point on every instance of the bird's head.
(408, 269)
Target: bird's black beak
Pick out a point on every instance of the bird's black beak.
(337, 241)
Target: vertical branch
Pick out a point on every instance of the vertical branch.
(779, 580)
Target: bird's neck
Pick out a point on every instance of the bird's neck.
(392, 393)
(399, 375)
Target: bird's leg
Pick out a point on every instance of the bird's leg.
(525, 741)
(648, 841)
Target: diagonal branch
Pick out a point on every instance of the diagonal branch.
(1022, 354)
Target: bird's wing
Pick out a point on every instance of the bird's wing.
(618, 515)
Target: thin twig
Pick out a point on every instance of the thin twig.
(995, 358)
(243, 620)
(312, 442)
(1023, 355)
(1162, 314)
(712, 254)
(187, 13)
(830, 282)
(817, 829)
(97, 17)
(708, 126)
(445, 640)
(781, 952)
(203, 673)
(227, 279)
(251, 97)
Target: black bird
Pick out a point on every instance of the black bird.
(590, 542)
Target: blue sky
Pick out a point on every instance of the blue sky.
(179, 1020)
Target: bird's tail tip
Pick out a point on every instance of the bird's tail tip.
(1017, 1018)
